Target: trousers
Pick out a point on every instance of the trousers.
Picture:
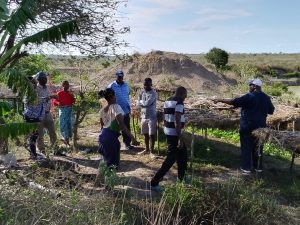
(175, 154)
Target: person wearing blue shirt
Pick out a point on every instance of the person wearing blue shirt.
(122, 93)
(255, 107)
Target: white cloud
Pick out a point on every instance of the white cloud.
(213, 14)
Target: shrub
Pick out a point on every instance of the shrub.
(218, 57)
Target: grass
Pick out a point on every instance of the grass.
(295, 90)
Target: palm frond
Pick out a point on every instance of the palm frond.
(53, 34)
(3, 11)
(5, 108)
(13, 130)
(18, 83)
(20, 17)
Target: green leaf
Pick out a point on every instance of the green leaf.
(12, 130)
(20, 17)
(5, 108)
(18, 82)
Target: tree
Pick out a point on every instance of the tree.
(218, 57)
(98, 21)
(12, 23)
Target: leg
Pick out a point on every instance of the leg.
(49, 125)
(152, 143)
(182, 161)
(126, 138)
(169, 161)
(152, 132)
(257, 154)
(147, 142)
(32, 144)
(246, 150)
(40, 140)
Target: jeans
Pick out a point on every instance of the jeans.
(175, 154)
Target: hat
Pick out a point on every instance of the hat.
(256, 82)
(40, 75)
(120, 73)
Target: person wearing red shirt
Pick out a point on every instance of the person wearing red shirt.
(65, 100)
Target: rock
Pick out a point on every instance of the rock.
(9, 160)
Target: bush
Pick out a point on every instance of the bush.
(218, 57)
(276, 89)
(291, 75)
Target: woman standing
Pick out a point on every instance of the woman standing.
(112, 122)
(65, 100)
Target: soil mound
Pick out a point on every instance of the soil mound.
(167, 70)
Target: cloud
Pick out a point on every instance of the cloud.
(213, 14)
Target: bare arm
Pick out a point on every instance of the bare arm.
(223, 100)
(148, 102)
(101, 123)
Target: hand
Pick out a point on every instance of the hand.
(216, 100)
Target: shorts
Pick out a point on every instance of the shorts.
(148, 126)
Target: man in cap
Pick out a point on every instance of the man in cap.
(255, 107)
(44, 96)
(122, 93)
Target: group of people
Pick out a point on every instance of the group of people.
(255, 106)
(39, 112)
(115, 119)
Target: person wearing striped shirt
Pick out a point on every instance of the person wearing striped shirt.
(173, 124)
(122, 92)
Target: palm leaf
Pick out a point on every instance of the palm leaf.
(18, 83)
(20, 17)
(53, 34)
(3, 11)
(12, 130)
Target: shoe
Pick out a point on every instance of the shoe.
(129, 147)
(32, 157)
(143, 152)
(258, 170)
(60, 153)
(245, 171)
(156, 188)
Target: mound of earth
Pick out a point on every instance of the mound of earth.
(166, 70)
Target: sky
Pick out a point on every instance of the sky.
(196, 26)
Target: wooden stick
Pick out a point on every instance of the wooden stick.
(192, 150)
(133, 122)
(157, 134)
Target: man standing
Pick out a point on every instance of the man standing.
(173, 125)
(147, 102)
(255, 107)
(44, 96)
(122, 93)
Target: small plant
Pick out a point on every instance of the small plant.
(111, 178)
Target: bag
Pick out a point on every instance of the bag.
(34, 113)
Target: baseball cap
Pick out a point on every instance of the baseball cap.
(39, 75)
(256, 82)
(120, 73)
